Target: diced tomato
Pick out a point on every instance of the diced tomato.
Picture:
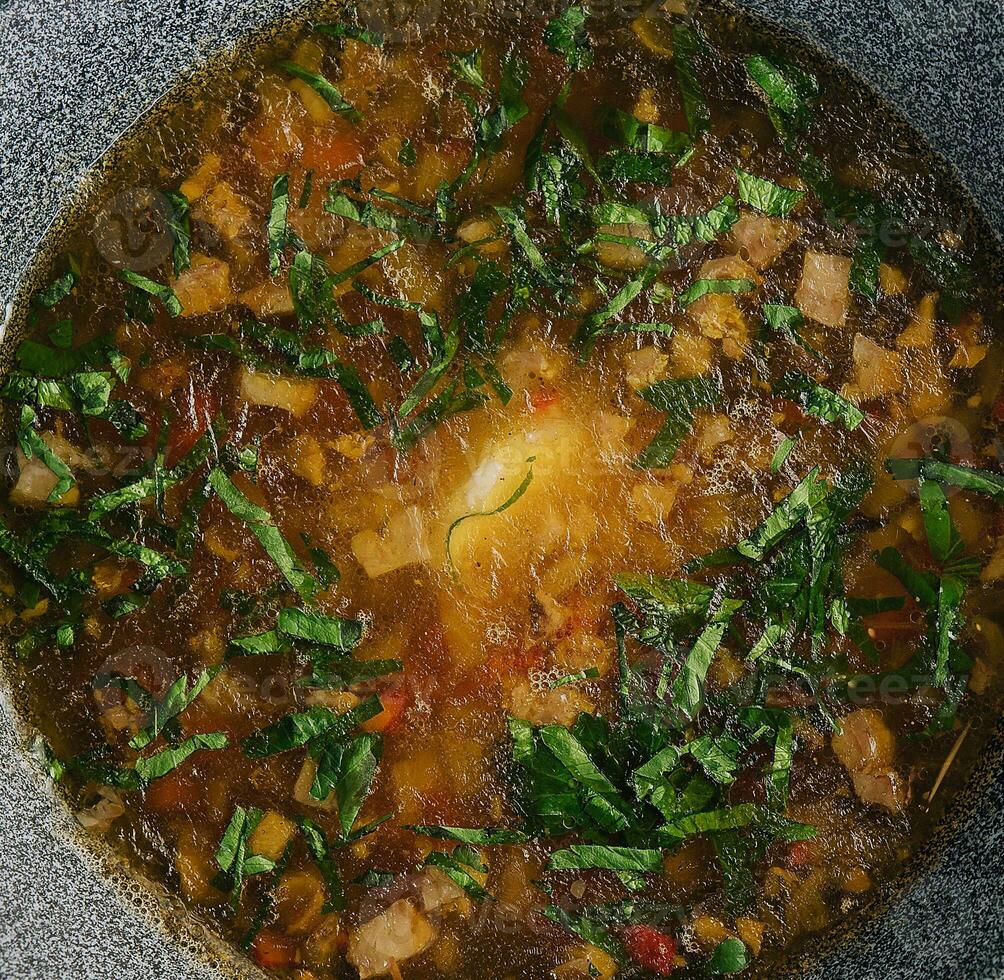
(803, 854)
(273, 951)
(518, 660)
(395, 700)
(998, 410)
(543, 398)
(193, 412)
(174, 791)
(651, 949)
(332, 153)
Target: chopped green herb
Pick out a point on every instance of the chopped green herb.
(820, 401)
(466, 65)
(179, 223)
(766, 196)
(162, 762)
(566, 35)
(277, 222)
(706, 287)
(504, 506)
(407, 156)
(164, 293)
(305, 624)
(324, 89)
(295, 730)
(782, 452)
(259, 521)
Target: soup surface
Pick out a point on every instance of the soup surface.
(518, 497)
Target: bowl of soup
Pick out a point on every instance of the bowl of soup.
(507, 493)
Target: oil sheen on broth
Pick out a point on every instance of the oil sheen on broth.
(529, 508)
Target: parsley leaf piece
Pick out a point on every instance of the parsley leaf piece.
(177, 698)
(258, 864)
(347, 767)
(162, 762)
(948, 474)
(407, 156)
(687, 46)
(921, 585)
(820, 401)
(297, 729)
(679, 398)
(401, 354)
(781, 91)
(947, 623)
(373, 216)
(704, 287)
(305, 624)
(449, 401)
(864, 276)
(794, 508)
(717, 755)
(522, 238)
(587, 928)
(229, 849)
(324, 89)
(35, 358)
(688, 688)
(487, 282)
(590, 327)
(782, 452)
(942, 537)
(706, 227)
(61, 334)
(640, 167)
(130, 493)
(357, 393)
(566, 35)
(504, 506)
(730, 956)
(33, 563)
(180, 225)
(486, 836)
(307, 190)
(320, 850)
(766, 196)
(601, 798)
(33, 445)
(344, 673)
(456, 867)
(667, 600)
(787, 320)
(258, 644)
(580, 675)
(724, 818)
(325, 569)
(466, 65)
(444, 355)
(260, 522)
(164, 293)
(779, 776)
(58, 290)
(277, 222)
(51, 765)
(352, 31)
(580, 856)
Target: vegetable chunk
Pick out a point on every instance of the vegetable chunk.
(390, 938)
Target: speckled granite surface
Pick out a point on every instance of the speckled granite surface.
(74, 73)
